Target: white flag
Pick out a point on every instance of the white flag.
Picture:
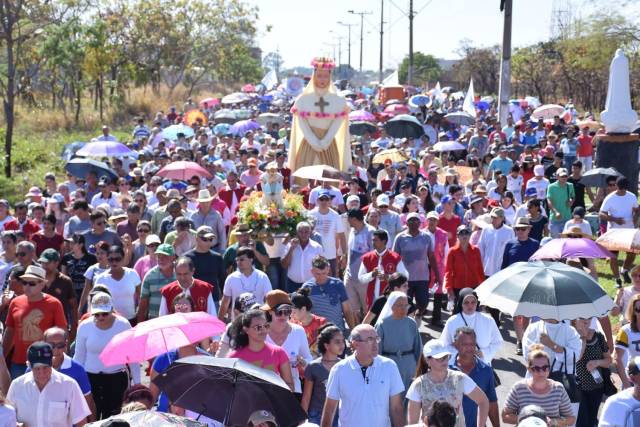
(270, 80)
(391, 80)
(468, 105)
(438, 95)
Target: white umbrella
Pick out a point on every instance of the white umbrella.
(548, 111)
(448, 146)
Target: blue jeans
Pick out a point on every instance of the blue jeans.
(277, 275)
(568, 161)
(16, 370)
(556, 227)
(292, 286)
(314, 416)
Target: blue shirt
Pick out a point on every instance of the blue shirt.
(161, 364)
(503, 165)
(529, 139)
(516, 251)
(327, 300)
(482, 375)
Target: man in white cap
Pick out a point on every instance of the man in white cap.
(207, 216)
(262, 419)
(538, 182)
(389, 220)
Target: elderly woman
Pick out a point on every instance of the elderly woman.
(436, 381)
(399, 337)
(539, 390)
(488, 338)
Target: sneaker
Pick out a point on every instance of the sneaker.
(519, 349)
(626, 277)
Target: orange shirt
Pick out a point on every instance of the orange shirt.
(463, 269)
(29, 321)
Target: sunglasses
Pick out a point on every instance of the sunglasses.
(260, 328)
(115, 259)
(283, 312)
(144, 230)
(543, 368)
(206, 239)
(21, 254)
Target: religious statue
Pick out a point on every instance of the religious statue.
(619, 116)
(272, 188)
(320, 128)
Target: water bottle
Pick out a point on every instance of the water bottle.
(450, 305)
(597, 377)
(293, 359)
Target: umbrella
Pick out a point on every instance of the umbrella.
(229, 390)
(394, 154)
(347, 93)
(209, 101)
(235, 98)
(171, 132)
(221, 128)
(571, 248)
(482, 105)
(361, 116)
(621, 239)
(225, 116)
(242, 114)
(80, 167)
(396, 109)
(549, 290)
(267, 118)
(149, 419)
(597, 177)
(69, 150)
(248, 88)
(548, 111)
(157, 336)
(244, 126)
(591, 124)
(392, 101)
(448, 146)
(404, 126)
(193, 116)
(322, 172)
(460, 118)
(105, 149)
(419, 100)
(183, 171)
(360, 128)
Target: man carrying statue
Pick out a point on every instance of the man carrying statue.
(320, 128)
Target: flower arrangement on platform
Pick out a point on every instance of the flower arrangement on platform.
(267, 219)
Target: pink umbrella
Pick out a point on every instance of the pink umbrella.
(572, 247)
(395, 109)
(183, 171)
(361, 116)
(157, 336)
(209, 101)
(248, 88)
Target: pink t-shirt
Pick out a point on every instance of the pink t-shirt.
(144, 264)
(270, 357)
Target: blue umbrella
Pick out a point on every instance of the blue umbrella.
(418, 100)
(106, 149)
(482, 105)
(172, 131)
(244, 126)
(69, 150)
(221, 128)
(80, 167)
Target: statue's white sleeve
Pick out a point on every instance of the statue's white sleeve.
(311, 137)
(331, 133)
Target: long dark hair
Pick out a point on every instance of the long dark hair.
(428, 205)
(239, 337)
(325, 335)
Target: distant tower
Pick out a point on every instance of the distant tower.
(561, 19)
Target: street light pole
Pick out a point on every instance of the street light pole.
(348, 40)
(410, 68)
(505, 65)
(381, 39)
(361, 31)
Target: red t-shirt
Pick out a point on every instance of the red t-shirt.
(42, 242)
(451, 227)
(29, 320)
(270, 357)
(311, 330)
(585, 147)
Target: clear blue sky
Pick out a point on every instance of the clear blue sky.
(301, 28)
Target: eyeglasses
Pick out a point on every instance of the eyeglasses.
(144, 230)
(206, 239)
(58, 345)
(283, 312)
(543, 368)
(260, 328)
(115, 259)
(369, 340)
(21, 254)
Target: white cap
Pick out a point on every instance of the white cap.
(353, 199)
(538, 170)
(382, 200)
(435, 349)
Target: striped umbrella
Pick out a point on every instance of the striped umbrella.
(549, 290)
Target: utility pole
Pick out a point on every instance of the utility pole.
(361, 31)
(381, 38)
(348, 40)
(506, 6)
(410, 68)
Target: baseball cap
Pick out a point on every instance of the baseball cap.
(433, 215)
(165, 249)
(463, 229)
(435, 349)
(382, 200)
(325, 193)
(497, 213)
(205, 231)
(49, 255)
(101, 302)
(538, 170)
(40, 353)
(446, 199)
(413, 215)
(152, 239)
(562, 172)
(259, 417)
(353, 198)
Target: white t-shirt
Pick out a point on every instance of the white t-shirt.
(328, 225)
(295, 344)
(94, 271)
(7, 416)
(122, 291)
(584, 226)
(413, 393)
(515, 186)
(237, 283)
(335, 202)
(620, 207)
(540, 186)
(616, 411)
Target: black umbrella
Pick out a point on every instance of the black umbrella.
(404, 126)
(597, 177)
(80, 167)
(360, 128)
(229, 390)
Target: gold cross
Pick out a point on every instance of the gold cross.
(321, 104)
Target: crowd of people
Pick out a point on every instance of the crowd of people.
(336, 310)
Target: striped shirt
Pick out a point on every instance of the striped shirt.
(555, 403)
(327, 300)
(153, 281)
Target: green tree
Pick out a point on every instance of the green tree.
(425, 69)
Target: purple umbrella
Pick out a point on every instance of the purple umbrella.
(361, 116)
(105, 149)
(572, 247)
(244, 126)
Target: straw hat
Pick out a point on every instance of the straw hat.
(576, 231)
